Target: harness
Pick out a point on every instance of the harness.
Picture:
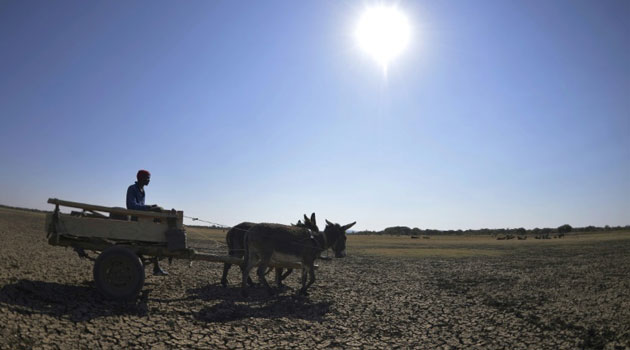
(318, 246)
(323, 234)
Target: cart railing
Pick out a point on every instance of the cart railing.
(114, 210)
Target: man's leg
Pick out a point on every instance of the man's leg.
(157, 270)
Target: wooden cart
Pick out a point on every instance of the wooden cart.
(126, 240)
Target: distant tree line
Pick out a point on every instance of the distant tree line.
(214, 227)
(406, 231)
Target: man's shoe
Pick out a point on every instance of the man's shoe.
(159, 272)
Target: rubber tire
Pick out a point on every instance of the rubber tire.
(119, 273)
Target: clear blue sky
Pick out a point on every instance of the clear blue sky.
(499, 114)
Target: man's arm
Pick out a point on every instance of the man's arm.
(132, 200)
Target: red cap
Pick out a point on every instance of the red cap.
(143, 174)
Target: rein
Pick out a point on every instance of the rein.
(314, 239)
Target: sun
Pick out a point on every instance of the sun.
(383, 32)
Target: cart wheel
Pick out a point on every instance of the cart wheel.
(118, 273)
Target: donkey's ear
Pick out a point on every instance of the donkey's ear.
(313, 219)
(348, 226)
(329, 223)
(305, 219)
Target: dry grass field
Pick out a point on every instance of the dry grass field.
(389, 293)
(468, 246)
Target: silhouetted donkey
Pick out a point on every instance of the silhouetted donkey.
(267, 242)
(236, 247)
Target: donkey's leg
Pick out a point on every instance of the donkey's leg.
(226, 268)
(286, 274)
(311, 271)
(279, 277)
(302, 290)
(261, 274)
(248, 264)
(249, 280)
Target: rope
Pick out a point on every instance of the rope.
(206, 221)
(318, 247)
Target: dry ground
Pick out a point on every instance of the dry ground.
(390, 292)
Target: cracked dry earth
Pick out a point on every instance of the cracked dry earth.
(545, 298)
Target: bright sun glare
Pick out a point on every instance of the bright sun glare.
(383, 33)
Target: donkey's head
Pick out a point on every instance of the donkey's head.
(309, 223)
(336, 235)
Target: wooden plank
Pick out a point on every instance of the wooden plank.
(122, 211)
(96, 244)
(217, 258)
(237, 261)
(143, 230)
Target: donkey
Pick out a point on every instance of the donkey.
(280, 243)
(236, 247)
(310, 224)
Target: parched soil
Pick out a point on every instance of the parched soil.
(546, 297)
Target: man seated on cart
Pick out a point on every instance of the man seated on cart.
(135, 201)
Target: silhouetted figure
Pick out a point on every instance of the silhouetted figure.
(135, 201)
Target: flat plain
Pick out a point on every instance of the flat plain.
(446, 292)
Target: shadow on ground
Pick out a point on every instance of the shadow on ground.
(76, 303)
(233, 293)
(275, 307)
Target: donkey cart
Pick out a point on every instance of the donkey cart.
(126, 241)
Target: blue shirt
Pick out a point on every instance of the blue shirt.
(135, 198)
